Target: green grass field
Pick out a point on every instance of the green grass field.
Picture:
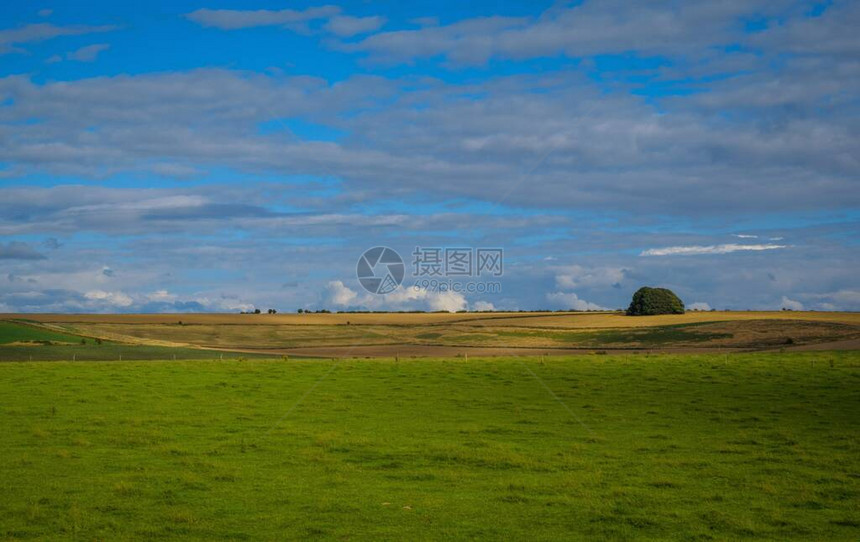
(11, 332)
(23, 342)
(753, 446)
(112, 352)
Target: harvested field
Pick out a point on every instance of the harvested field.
(447, 334)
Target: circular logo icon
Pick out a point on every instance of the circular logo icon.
(380, 270)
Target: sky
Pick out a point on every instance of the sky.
(225, 156)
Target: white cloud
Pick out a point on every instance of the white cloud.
(447, 301)
(695, 250)
(590, 28)
(162, 296)
(410, 297)
(346, 26)
(569, 300)
(229, 19)
(336, 293)
(117, 299)
(745, 236)
(841, 300)
(699, 306)
(43, 31)
(88, 53)
(628, 157)
(791, 304)
(483, 306)
(847, 297)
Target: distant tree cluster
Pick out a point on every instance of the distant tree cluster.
(255, 311)
(650, 301)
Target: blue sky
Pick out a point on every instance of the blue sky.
(222, 156)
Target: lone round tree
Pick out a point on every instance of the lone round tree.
(648, 301)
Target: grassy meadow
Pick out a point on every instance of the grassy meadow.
(706, 447)
(112, 352)
(17, 333)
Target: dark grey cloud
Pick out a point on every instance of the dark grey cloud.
(52, 243)
(590, 28)
(210, 208)
(575, 147)
(19, 251)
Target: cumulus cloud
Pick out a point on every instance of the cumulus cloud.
(483, 306)
(791, 304)
(162, 296)
(699, 306)
(570, 301)
(338, 294)
(447, 301)
(695, 250)
(118, 299)
(405, 298)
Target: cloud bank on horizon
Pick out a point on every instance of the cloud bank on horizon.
(221, 158)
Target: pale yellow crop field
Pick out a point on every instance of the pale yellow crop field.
(585, 320)
(446, 333)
